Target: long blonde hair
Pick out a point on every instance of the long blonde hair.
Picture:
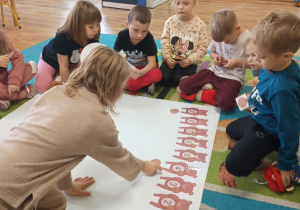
(84, 12)
(3, 43)
(103, 72)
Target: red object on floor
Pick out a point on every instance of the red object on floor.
(209, 96)
(272, 176)
(189, 98)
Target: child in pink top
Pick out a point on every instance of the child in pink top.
(12, 83)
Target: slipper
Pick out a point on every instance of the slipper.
(4, 105)
(34, 67)
(29, 91)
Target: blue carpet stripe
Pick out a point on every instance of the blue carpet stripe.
(223, 201)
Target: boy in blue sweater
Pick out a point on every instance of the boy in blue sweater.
(274, 123)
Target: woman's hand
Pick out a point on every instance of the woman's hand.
(151, 167)
(79, 184)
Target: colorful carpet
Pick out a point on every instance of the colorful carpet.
(222, 191)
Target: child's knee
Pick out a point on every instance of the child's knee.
(184, 83)
(157, 75)
(225, 105)
(42, 85)
(236, 167)
(41, 88)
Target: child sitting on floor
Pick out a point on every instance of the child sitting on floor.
(140, 50)
(13, 82)
(227, 75)
(62, 54)
(184, 43)
(274, 123)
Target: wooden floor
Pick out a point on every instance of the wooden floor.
(41, 18)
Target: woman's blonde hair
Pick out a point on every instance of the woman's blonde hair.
(3, 43)
(103, 72)
(84, 12)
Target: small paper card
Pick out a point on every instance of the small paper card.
(242, 102)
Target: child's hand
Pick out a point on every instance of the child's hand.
(135, 73)
(185, 63)
(150, 167)
(231, 63)
(287, 177)
(79, 184)
(12, 88)
(171, 62)
(218, 60)
(4, 60)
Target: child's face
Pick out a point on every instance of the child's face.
(251, 57)
(267, 60)
(137, 31)
(184, 9)
(91, 30)
(233, 36)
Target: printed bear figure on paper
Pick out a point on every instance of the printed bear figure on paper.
(181, 169)
(192, 142)
(171, 202)
(190, 155)
(194, 111)
(177, 184)
(193, 131)
(193, 121)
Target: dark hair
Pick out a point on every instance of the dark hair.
(139, 13)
